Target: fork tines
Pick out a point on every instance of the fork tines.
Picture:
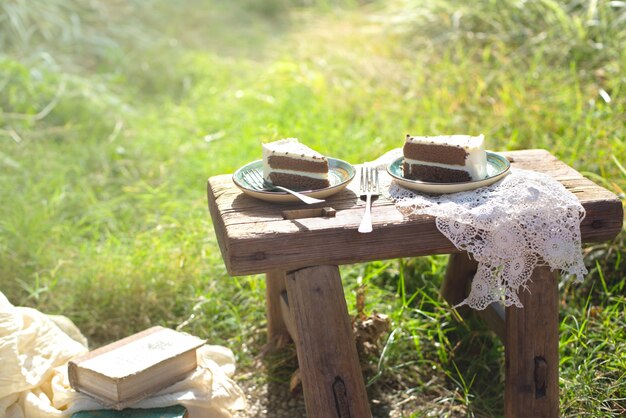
(254, 178)
(369, 180)
(363, 180)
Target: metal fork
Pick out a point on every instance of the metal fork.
(369, 188)
(254, 179)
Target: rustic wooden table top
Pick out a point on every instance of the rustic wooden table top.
(254, 237)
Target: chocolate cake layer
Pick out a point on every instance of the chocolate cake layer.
(280, 162)
(434, 174)
(298, 183)
(442, 154)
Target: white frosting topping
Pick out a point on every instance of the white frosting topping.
(467, 142)
(291, 147)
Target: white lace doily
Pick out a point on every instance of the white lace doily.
(525, 220)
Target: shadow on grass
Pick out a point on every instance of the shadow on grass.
(280, 394)
(268, 389)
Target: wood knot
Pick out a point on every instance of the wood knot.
(541, 377)
(341, 398)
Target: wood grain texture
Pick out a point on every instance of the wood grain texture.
(277, 331)
(254, 237)
(532, 350)
(287, 316)
(332, 381)
(494, 316)
(459, 274)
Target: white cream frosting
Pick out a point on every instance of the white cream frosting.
(467, 142)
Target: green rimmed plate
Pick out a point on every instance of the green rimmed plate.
(497, 167)
(340, 174)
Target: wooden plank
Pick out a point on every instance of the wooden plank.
(309, 213)
(532, 350)
(287, 316)
(277, 330)
(340, 245)
(331, 376)
(254, 237)
(459, 274)
(215, 209)
(495, 316)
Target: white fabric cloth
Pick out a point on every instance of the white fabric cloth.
(525, 220)
(34, 353)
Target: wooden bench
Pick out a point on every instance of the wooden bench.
(300, 256)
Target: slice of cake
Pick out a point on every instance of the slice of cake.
(290, 164)
(445, 159)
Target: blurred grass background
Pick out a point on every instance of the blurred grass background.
(114, 113)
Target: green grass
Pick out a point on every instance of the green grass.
(113, 115)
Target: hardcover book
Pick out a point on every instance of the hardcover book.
(135, 367)
(175, 411)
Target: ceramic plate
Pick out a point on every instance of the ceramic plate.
(340, 173)
(497, 167)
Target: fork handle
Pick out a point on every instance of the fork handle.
(366, 222)
(306, 199)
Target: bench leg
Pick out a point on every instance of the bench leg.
(332, 381)
(459, 274)
(277, 332)
(532, 350)
(456, 287)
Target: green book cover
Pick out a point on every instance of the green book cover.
(176, 411)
